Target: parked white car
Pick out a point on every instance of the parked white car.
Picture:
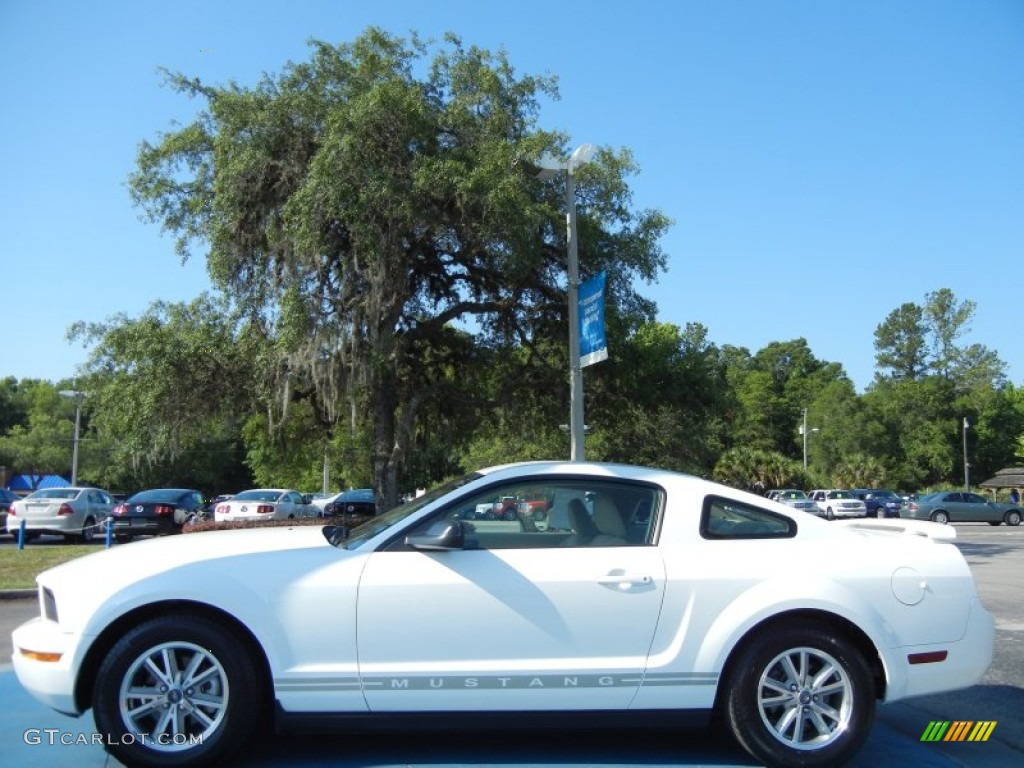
(75, 512)
(663, 598)
(839, 503)
(321, 500)
(264, 504)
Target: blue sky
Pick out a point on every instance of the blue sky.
(823, 161)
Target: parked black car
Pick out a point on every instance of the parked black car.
(880, 503)
(157, 511)
(356, 502)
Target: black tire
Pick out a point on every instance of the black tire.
(829, 514)
(123, 538)
(232, 694)
(769, 711)
(1012, 517)
(940, 516)
(88, 531)
(994, 522)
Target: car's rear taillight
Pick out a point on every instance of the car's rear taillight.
(12, 511)
(65, 509)
(264, 509)
(912, 506)
(120, 509)
(223, 509)
(164, 510)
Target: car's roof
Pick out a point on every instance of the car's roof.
(579, 467)
(168, 490)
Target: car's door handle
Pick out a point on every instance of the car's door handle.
(623, 581)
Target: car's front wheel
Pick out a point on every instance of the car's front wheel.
(801, 696)
(175, 691)
(829, 514)
(1012, 517)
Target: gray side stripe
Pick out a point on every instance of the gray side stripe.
(495, 682)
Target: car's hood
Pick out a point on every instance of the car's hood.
(194, 566)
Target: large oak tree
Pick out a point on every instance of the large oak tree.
(361, 203)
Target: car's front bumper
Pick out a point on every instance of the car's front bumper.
(51, 682)
(849, 513)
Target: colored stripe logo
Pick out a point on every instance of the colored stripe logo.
(958, 730)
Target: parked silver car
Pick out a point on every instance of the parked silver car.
(962, 507)
(792, 497)
(77, 513)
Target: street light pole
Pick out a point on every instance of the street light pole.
(804, 431)
(577, 450)
(967, 466)
(545, 168)
(78, 396)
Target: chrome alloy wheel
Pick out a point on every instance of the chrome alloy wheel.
(174, 695)
(805, 698)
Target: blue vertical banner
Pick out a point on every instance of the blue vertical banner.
(593, 343)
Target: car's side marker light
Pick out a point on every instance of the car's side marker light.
(927, 658)
(40, 655)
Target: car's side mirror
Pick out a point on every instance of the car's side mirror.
(441, 536)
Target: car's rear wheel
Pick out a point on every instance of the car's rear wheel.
(177, 690)
(86, 535)
(1012, 517)
(123, 538)
(940, 516)
(801, 696)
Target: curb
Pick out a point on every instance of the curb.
(18, 594)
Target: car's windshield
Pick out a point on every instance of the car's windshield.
(793, 495)
(54, 493)
(840, 495)
(380, 523)
(257, 496)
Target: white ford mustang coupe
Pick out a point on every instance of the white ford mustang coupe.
(641, 596)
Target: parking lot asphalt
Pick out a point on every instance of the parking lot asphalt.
(33, 735)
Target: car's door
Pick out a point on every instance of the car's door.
(100, 505)
(953, 504)
(285, 506)
(977, 509)
(523, 616)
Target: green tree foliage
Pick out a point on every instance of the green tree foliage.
(359, 203)
(168, 392)
(756, 470)
(39, 435)
(929, 381)
(659, 399)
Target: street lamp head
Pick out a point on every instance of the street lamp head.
(583, 155)
(71, 393)
(547, 166)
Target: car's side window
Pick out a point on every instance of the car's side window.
(723, 518)
(552, 512)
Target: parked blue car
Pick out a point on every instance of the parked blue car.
(880, 503)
